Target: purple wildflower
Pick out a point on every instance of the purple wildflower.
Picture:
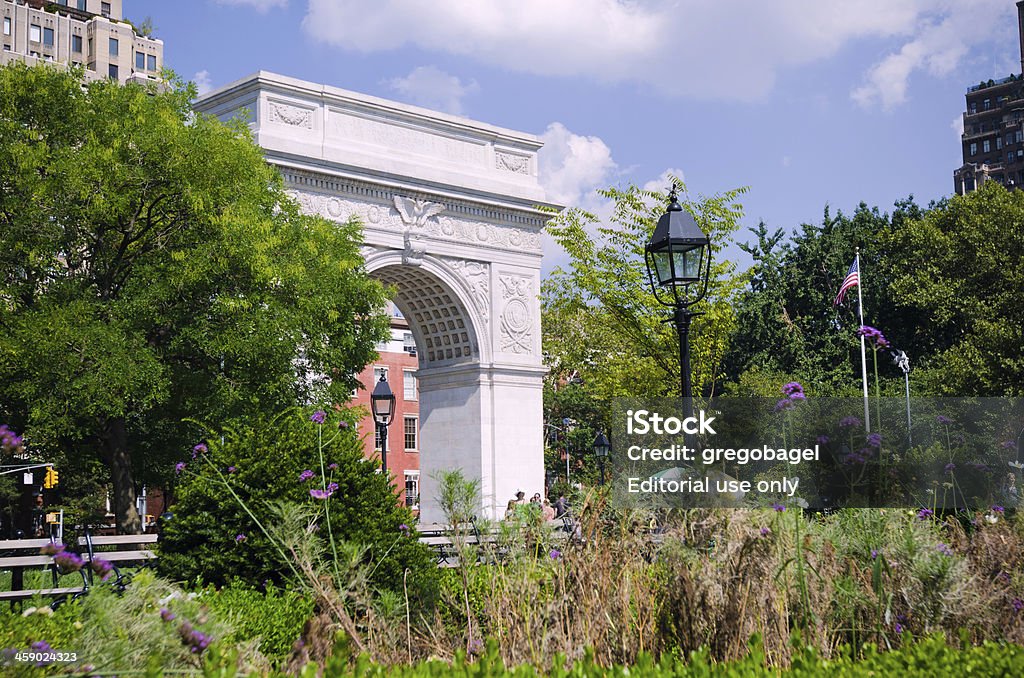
(166, 614)
(898, 628)
(197, 641)
(321, 494)
(240, 537)
(1008, 445)
(332, 488)
(333, 466)
(554, 554)
(318, 417)
(201, 448)
(41, 646)
(875, 440)
(765, 531)
(925, 514)
(68, 561)
(404, 529)
(179, 467)
(305, 475)
(943, 420)
(874, 554)
(998, 509)
(784, 404)
(475, 647)
(792, 388)
(1003, 577)
(873, 335)
(848, 422)
(823, 440)
(1017, 604)
(231, 469)
(797, 396)
(944, 549)
(10, 441)
(102, 568)
(950, 467)
(342, 425)
(779, 508)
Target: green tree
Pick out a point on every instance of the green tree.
(152, 269)
(956, 278)
(601, 321)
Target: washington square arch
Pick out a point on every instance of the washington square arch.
(449, 209)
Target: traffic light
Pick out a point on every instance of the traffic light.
(51, 478)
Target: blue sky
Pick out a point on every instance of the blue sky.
(807, 102)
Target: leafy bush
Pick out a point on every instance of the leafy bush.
(213, 537)
(274, 618)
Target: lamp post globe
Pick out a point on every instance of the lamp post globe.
(382, 404)
(678, 258)
(601, 449)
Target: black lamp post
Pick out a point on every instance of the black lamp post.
(601, 449)
(679, 266)
(382, 402)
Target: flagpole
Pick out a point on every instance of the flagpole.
(863, 346)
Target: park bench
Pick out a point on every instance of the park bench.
(17, 555)
(112, 548)
(439, 538)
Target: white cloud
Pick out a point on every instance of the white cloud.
(958, 126)
(729, 50)
(431, 87)
(938, 44)
(258, 5)
(202, 81)
(665, 180)
(571, 166)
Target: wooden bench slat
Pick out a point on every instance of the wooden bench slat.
(24, 561)
(124, 555)
(22, 544)
(120, 539)
(19, 595)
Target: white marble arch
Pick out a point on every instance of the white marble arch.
(452, 215)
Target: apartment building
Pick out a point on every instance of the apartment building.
(397, 362)
(993, 137)
(89, 33)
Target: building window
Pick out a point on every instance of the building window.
(105, 10)
(48, 37)
(1018, 136)
(410, 433)
(379, 372)
(412, 489)
(1009, 157)
(974, 107)
(987, 104)
(409, 377)
(113, 47)
(7, 25)
(999, 143)
(76, 43)
(81, 5)
(974, 149)
(112, 72)
(985, 146)
(35, 33)
(140, 61)
(378, 439)
(151, 62)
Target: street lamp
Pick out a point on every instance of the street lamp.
(679, 266)
(601, 449)
(382, 402)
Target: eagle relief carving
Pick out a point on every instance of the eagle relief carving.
(415, 212)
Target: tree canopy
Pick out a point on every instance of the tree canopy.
(153, 269)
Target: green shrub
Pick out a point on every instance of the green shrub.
(202, 543)
(274, 618)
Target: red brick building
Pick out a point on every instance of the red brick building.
(398, 362)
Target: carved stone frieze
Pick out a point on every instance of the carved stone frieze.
(441, 226)
(294, 116)
(516, 314)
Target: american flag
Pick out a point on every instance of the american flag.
(852, 279)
